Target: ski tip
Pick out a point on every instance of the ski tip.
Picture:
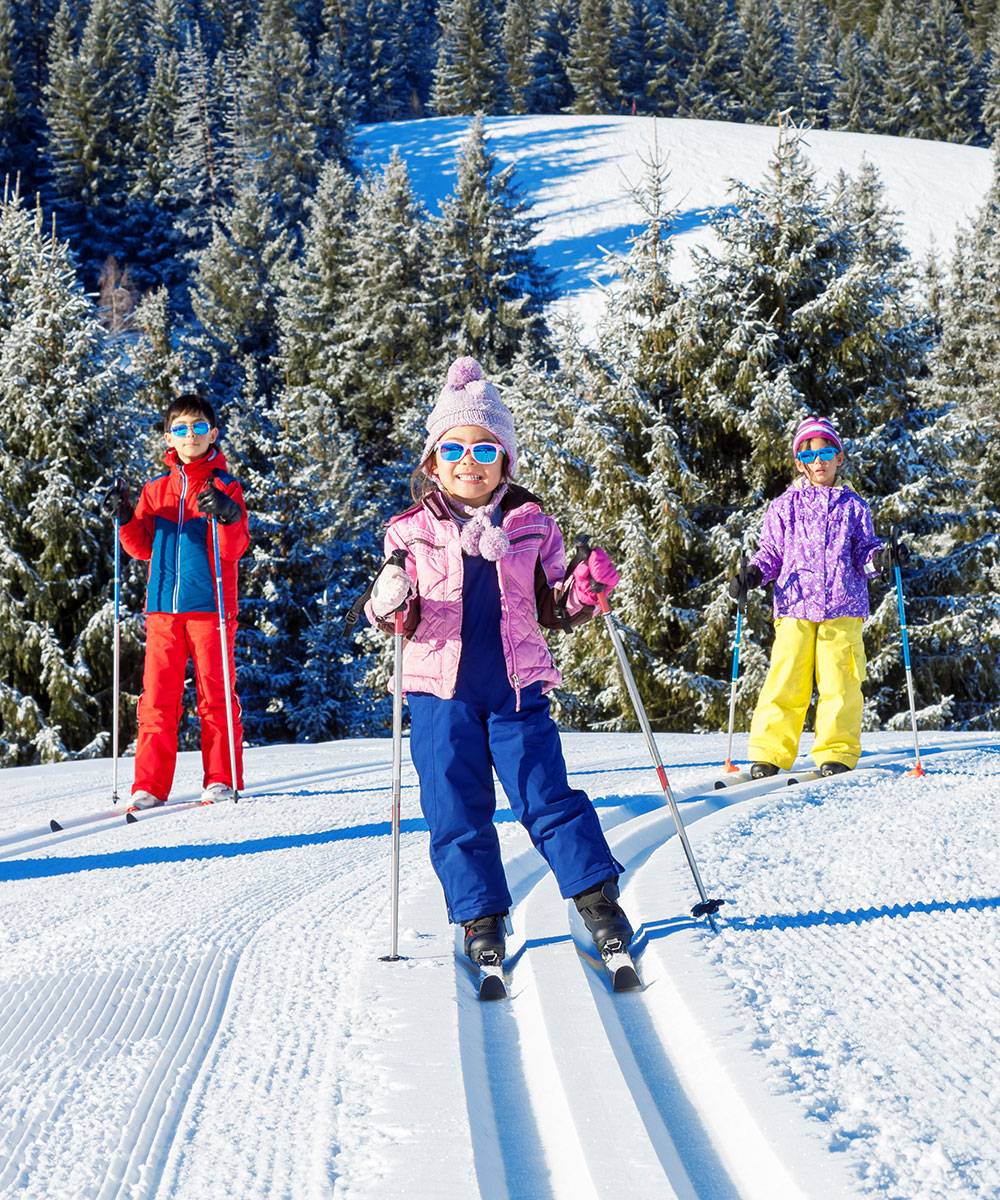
(719, 784)
(625, 979)
(492, 987)
(130, 818)
(55, 826)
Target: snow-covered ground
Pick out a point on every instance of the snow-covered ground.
(575, 172)
(194, 1007)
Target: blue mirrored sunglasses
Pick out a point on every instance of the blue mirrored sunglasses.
(827, 454)
(482, 452)
(198, 428)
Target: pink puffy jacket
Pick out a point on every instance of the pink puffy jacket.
(531, 577)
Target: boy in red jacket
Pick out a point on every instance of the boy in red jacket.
(170, 526)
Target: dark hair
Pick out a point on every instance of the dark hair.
(191, 403)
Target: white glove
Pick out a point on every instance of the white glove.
(390, 591)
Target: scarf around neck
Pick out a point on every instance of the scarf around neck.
(480, 536)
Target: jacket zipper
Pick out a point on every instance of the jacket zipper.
(177, 558)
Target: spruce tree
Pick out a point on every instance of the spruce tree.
(590, 66)
(518, 31)
(490, 288)
(702, 40)
(469, 75)
(763, 84)
(388, 330)
(549, 89)
(92, 107)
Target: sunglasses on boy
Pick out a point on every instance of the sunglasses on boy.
(198, 428)
(482, 452)
(827, 454)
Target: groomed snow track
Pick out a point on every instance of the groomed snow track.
(183, 1015)
(575, 1092)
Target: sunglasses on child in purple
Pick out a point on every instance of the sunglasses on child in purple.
(482, 452)
(198, 428)
(827, 454)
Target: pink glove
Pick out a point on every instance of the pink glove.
(597, 569)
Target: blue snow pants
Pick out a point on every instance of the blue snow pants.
(456, 745)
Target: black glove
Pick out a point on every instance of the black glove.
(742, 583)
(116, 502)
(883, 560)
(219, 504)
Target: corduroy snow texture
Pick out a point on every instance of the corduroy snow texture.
(815, 427)
(468, 399)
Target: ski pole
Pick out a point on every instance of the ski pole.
(397, 558)
(116, 664)
(894, 559)
(741, 607)
(706, 907)
(226, 681)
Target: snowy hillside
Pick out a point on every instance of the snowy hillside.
(574, 172)
(194, 1006)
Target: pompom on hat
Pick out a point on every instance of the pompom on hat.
(815, 427)
(468, 399)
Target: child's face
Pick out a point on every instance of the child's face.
(818, 472)
(190, 446)
(467, 480)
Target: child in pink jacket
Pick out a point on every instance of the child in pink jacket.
(485, 568)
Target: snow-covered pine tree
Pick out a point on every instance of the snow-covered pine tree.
(61, 391)
(490, 288)
(198, 184)
(92, 108)
(387, 334)
(763, 84)
(809, 80)
(590, 65)
(316, 297)
(234, 298)
(469, 75)
(550, 90)
(518, 33)
(855, 102)
(279, 115)
(702, 39)
(11, 115)
(943, 79)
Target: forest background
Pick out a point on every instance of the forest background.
(184, 209)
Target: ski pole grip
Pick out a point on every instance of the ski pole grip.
(581, 556)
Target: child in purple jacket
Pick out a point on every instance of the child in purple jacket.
(485, 567)
(818, 545)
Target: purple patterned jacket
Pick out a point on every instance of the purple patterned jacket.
(817, 543)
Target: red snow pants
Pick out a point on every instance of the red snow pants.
(172, 638)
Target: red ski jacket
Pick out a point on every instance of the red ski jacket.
(169, 531)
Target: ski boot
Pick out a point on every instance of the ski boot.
(485, 936)
(833, 768)
(603, 916)
(761, 770)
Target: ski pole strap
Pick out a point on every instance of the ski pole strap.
(396, 559)
(741, 603)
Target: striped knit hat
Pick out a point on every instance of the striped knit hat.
(815, 427)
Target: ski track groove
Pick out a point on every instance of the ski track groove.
(174, 1000)
(629, 1035)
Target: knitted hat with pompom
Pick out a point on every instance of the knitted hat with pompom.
(815, 427)
(468, 399)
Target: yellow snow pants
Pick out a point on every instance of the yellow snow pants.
(832, 653)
